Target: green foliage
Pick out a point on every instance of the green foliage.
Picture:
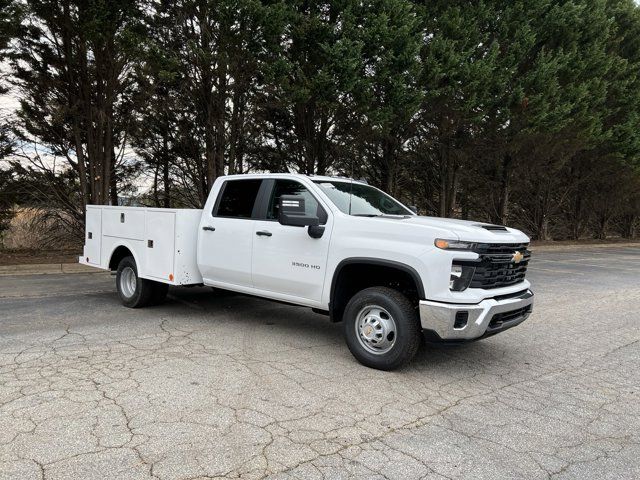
(312, 65)
(387, 93)
(508, 111)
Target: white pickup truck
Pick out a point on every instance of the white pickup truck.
(336, 245)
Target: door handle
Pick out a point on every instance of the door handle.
(263, 233)
(210, 229)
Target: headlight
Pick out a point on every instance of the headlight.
(460, 278)
(453, 244)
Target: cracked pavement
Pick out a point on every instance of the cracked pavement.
(219, 385)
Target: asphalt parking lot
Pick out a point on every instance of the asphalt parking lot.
(221, 385)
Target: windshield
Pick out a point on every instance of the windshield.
(362, 200)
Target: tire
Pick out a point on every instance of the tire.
(134, 292)
(381, 328)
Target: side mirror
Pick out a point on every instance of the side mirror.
(292, 212)
(413, 208)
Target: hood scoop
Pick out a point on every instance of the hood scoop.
(493, 228)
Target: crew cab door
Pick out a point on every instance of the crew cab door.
(286, 260)
(225, 239)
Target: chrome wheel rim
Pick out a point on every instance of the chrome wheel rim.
(376, 329)
(128, 282)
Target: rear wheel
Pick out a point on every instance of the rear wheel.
(134, 292)
(381, 328)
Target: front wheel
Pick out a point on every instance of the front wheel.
(381, 328)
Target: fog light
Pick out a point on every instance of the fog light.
(460, 278)
(461, 320)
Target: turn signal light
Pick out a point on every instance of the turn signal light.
(453, 244)
(442, 244)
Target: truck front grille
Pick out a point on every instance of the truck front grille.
(496, 266)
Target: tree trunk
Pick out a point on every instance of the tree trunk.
(321, 146)
(543, 228)
(576, 221)
(603, 223)
(503, 206)
(221, 121)
(303, 127)
(452, 187)
(156, 199)
(309, 140)
(108, 160)
(629, 223)
(113, 179)
(86, 112)
(74, 107)
(444, 176)
(165, 171)
(82, 168)
(388, 166)
(234, 131)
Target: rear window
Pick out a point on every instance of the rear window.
(238, 198)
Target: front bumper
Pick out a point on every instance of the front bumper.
(460, 322)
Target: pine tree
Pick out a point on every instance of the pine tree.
(386, 96)
(458, 68)
(9, 15)
(71, 66)
(312, 67)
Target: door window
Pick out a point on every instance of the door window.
(238, 198)
(291, 187)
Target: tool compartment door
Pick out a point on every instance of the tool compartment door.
(93, 236)
(125, 222)
(159, 245)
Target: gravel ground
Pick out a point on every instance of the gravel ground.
(223, 385)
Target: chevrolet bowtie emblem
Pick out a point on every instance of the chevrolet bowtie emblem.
(517, 257)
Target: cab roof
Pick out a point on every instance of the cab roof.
(314, 178)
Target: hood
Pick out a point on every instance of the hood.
(469, 231)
